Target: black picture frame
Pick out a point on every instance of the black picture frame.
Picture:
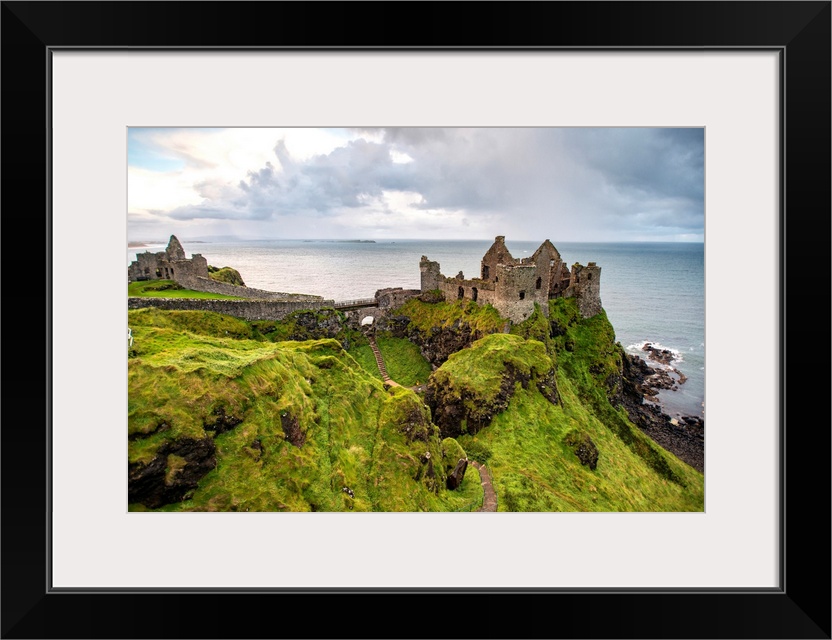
(800, 31)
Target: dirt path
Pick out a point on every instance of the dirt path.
(489, 499)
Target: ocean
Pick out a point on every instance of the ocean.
(652, 292)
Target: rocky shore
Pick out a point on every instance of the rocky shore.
(683, 436)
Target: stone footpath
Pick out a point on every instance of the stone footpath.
(489, 500)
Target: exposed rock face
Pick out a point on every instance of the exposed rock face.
(457, 412)
(173, 473)
(662, 356)
(416, 426)
(455, 477)
(547, 385)
(315, 325)
(441, 342)
(438, 343)
(291, 430)
(583, 447)
(220, 421)
(684, 437)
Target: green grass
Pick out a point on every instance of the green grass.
(363, 355)
(169, 289)
(477, 373)
(185, 366)
(226, 275)
(483, 319)
(357, 433)
(403, 360)
(527, 445)
(405, 363)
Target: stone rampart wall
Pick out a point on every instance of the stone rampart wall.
(245, 309)
(392, 298)
(209, 285)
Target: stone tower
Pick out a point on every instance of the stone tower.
(430, 274)
(585, 287)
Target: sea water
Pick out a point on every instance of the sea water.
(652, 292)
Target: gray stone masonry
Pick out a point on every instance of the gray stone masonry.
(392, 298)
(245, 309)
(171, 264)
(514, 286)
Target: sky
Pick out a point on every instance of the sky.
(567, 184)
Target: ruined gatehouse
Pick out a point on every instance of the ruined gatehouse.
(513, 286)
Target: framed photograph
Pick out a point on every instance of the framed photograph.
(83, 80)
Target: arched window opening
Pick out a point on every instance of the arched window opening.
(537, 284)
(522, 295)
(474, 294)
(461, 294)
(485, 271)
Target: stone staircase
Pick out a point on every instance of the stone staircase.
(380, 362)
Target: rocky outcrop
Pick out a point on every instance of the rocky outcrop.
(228, 275)
(455, 477)
(220, 421)
(583, 447)
(461, 411)
(458, 411)
(316, 325)
(172, 474)
(441, 342)
(684, 437)
(292, 432)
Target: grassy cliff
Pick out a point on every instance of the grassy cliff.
(562, 449)
(228, 415)
(220, 418)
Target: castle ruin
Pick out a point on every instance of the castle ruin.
(170, 264)
(513, 286)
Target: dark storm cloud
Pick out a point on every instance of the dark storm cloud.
(655, 162)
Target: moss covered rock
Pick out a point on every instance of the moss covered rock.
(476, 384)
(227, 275)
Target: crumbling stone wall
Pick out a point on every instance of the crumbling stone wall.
(514, 286)
(245, 309)
(395, 297)
(430, 274)
(585, 286)
(518, 288)
(209, 285)
(169, 264)
(460, 288)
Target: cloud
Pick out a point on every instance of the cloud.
(571, 184)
